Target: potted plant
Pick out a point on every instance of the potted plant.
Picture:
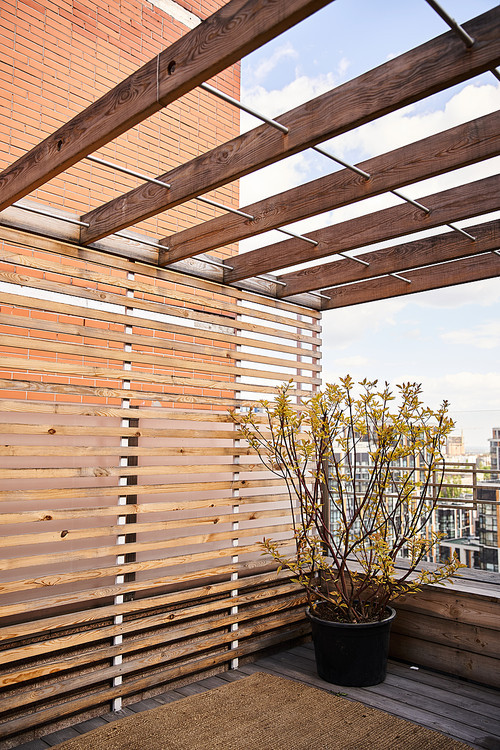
(364, 470)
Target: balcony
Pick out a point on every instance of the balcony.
(461, 710)
(132, 510)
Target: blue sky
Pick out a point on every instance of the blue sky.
(449, 340)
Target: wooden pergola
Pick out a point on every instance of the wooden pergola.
(449, 258)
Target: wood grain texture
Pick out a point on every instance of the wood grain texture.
(193, 665)
(418, 73)
(18, 237)
(465, 201)
(411, 255)
(205, 303)
(476, 268)
(90, 351)
(232, 32)
(216, 334)
(450, 149)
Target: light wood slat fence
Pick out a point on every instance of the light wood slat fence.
(131, 508)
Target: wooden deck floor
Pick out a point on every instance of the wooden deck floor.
(461, 710)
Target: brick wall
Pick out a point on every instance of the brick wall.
(58, 57)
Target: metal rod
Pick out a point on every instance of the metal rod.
(402, 278)
(464, 36)
(298, 236)
(240, 105)
(216, 263)
(319, 294)
(497, 252)
(126, 170)
(410, 200)
(353, 257)
(224, 208)
(157, 245)
(145, 177)
(343, 163)
(462, 231)
(52, 216)
(269, 278)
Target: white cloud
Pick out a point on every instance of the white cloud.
(343, 327)
(273, 102)
(344, 364)
(464, 390)
(408, 124)
(482, 336)
(268, 64)
(483, 293)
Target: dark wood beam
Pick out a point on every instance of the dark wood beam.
(421, 72)
(454, 204)
(411, 255)
(450, 149)
(475, 268)
(238, 28)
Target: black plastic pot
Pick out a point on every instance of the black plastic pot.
(351, 654)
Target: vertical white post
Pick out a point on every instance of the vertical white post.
(235, 540)
(122, 500)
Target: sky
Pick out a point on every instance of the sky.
(448, 340)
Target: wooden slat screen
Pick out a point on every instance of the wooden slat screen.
(131, 512)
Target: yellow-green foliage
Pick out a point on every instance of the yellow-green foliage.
(356, 565)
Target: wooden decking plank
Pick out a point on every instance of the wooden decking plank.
(444, 704)
(144, 705)
(434, 693)
(89, 724)
(416, 699)
(371, 697)
(193, 689)
(61, 736)
(452, 684)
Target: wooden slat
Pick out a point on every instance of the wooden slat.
(51, 245)
(86, 614)
(91, 351)
(156, 620)
(100, 392)
(104, 551)
(46, 537)
(65, 514)
(91, 574)
(476, 268)
(192, 665)
(440, 63)
(202, 303)
(181, 346)
(150, 489)
(137, 375)
(82, 410)
(454, 204)
(37, 451)
(127, 471)
(410, 255)
(226, 321)
(450, 149)
(232, 32)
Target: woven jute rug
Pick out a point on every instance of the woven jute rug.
(262, 712)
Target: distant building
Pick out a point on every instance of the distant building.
(455, 445)
(495, 452)
(481, 550)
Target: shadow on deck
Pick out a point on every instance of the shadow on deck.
(465, 711)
